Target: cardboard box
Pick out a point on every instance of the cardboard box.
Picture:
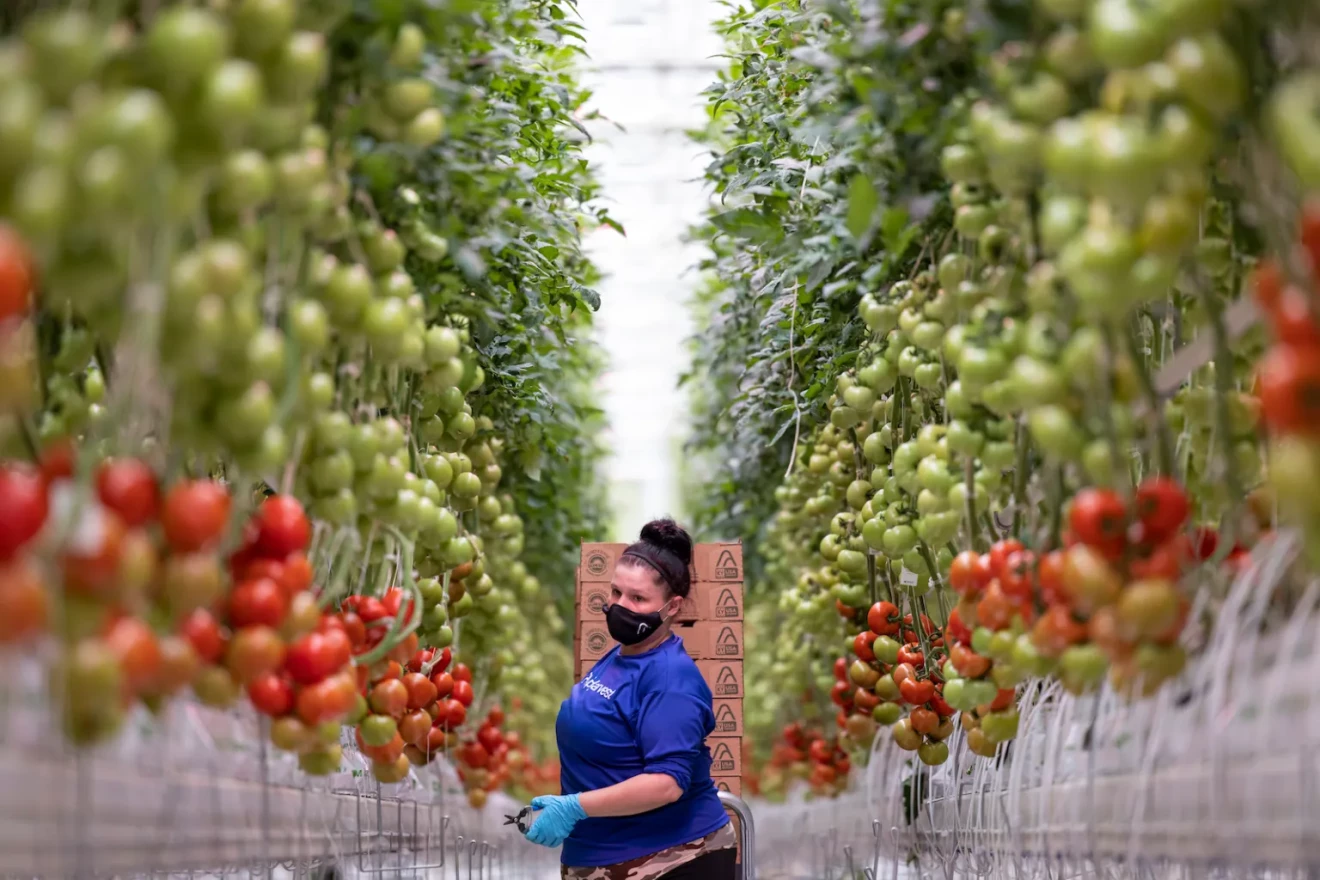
(725, 755)
(723, 677)
(718, 563)
(716, 601)
(731, 784)
(728, 718)
(713, 639)
(598, 561)
(596, 641)
(705, 602)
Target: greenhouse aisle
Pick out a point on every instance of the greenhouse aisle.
(649, 63)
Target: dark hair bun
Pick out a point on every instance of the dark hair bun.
(669, 535)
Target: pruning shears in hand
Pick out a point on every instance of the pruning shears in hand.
(520, 820)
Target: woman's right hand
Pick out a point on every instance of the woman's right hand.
(559, 815)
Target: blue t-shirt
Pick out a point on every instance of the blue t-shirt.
(648, 713)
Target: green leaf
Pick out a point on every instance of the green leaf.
(862, 202)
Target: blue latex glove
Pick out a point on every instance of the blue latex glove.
(559, 813)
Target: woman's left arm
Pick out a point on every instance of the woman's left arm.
(640, 794)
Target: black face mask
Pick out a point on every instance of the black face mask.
(630, 628)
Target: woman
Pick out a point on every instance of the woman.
(638, 801)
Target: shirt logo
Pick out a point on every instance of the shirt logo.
(596, 686)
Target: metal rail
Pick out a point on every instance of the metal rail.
(746, 832)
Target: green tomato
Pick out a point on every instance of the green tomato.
(1056, 432)
(887, 713)
(1291, 119)
(1000, 726)
(1124, 33)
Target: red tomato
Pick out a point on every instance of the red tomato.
(354, 628)
(967, 573)
(916, 692)
(910, 653)
(450, 715)
(415, 727)
(1050, 575)
(820, 751)
(92, 564)
(489, 736)
(475, 755)
(1017, 578)
(258, 602)
(442, 663)
(462, 673)
(282, 527)
(1168, 560)
(312, 658)
(1267, 284)
(1098, 517)
(1056, 631)
(271, 695)
(882, 619)
(371, 610)
(421, 692)
(1205, 541)
(194, 515)
(1003, 699)
(958, 631)
(1290, 389)
(23, 507)
(444, 684)
(1293, 322)
(999, 554)
(389, 697)
(840, 694)
(254, 651)
(57, 460)
(298, 574)
(969, 663)
(15, 274)
(204, 634)
(128, 487)
(135, 647)
(1161, 507)
(419, 659)
(841, 669)
(463, 692)
(24, 604)
(862, 645)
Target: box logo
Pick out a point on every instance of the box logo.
(597, 562)
(596, 601)
(725, 720)
(722, 759)
(597, 641)
(726, 567)
(727, 604)
(726, 683)
(723, 786)
(727, 643)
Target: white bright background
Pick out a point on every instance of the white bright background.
(650, 61)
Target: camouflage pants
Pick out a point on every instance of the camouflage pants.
(656, 865)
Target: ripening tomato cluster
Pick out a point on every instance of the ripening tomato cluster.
(805, 753)
(18, 352)
(413, 709)
(890, 676)
(486, 759)
(1288, 381)
(114, 575)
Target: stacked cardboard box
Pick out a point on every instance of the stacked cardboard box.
(710, 624)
